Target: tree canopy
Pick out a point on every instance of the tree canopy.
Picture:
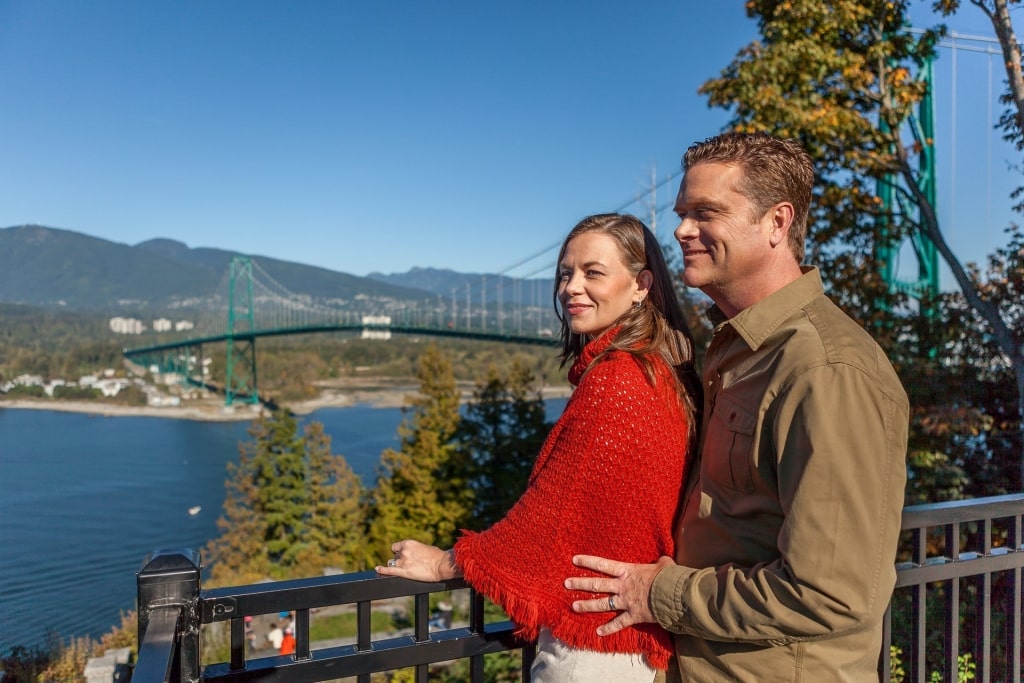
(845, 79)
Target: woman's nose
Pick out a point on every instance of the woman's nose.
(573, 285)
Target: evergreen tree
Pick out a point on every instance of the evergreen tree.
(292, 508)
(281, 482)
(333, 531)
(422, 491)
(239, 554)
(503, 430)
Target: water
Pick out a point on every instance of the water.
(84, 498)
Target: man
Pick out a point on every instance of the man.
(786, 544)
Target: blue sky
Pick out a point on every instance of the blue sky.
(379, 136)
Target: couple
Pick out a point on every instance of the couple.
(766, 554)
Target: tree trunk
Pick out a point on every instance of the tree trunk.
(986, 309)
(1002, 24)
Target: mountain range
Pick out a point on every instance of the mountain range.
(51, 267)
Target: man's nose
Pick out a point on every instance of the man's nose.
(687, 230)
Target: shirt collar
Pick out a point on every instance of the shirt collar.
(755, 323)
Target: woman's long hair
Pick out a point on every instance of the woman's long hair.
(655, 328)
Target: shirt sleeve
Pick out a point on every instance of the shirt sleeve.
(840, 448)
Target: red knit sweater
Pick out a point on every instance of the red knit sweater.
(607, 482)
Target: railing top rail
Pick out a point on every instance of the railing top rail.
(969, 510)
(221, 604)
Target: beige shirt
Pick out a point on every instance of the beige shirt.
(786, 546)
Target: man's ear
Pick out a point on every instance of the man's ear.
(781, 218)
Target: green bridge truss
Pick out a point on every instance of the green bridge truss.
(186, 357)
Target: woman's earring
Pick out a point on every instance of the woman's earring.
(638, 304)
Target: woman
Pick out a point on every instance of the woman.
(608, 477)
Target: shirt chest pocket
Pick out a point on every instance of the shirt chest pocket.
(728, 445)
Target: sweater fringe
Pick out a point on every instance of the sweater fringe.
(576, 630)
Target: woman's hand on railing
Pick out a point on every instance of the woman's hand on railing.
(421, 562)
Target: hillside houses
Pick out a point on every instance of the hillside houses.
(107, 384)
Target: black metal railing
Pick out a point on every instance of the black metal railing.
(172, 609)
(957, 604)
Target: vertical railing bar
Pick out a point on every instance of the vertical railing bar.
(919, 608)
(302, 634)
(476, 627)
(421, 616)
(984, 647)
(952, 626)
(529, 654)
(364, 610)
(422, 628)
(983, 641)
(237, 644)
(1017, 543)
(952, 629)
(476, 612)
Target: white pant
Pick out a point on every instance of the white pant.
(557, 662)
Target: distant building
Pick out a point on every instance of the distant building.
(111, 387)
(162, 325)
(120, 325)
(53, 384)
(160, 401)
(376, 321)
(182, 325)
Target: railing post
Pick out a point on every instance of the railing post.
(168, 600)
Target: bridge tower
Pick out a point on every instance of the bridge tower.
(240, 369)
(925, 287)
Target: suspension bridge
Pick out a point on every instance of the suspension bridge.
(250, 304)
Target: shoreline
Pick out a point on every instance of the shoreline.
(212, 410)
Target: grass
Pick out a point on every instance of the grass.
(331, 626)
